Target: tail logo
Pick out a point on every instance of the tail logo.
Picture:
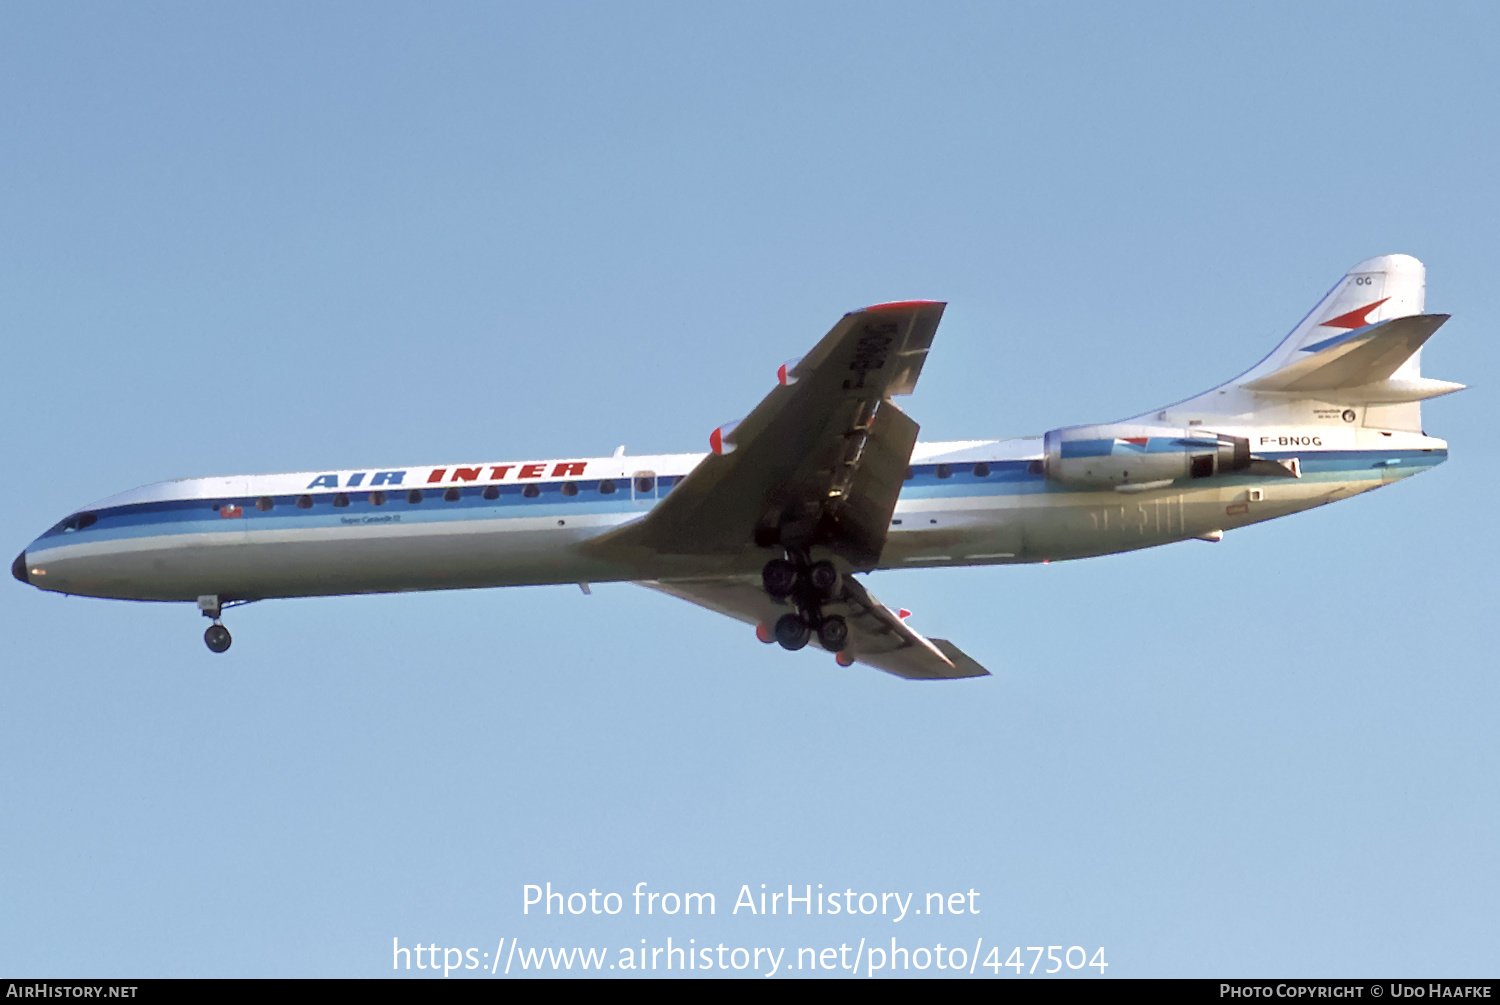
(1357, 318)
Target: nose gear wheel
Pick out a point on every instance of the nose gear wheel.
(217, 638)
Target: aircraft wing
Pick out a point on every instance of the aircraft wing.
(820, 461)
(877, 637)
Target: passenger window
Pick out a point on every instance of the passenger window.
(944, 471)
(910, 474)
(644, 486)
(491, 492)
(1034, 468)
(570, 489)
(377, 498)
(451, 494)
(341, 500)
(304, 502)
(531, 491)
(414, 496)
(606, 488)
(264, 504)
(981, 470)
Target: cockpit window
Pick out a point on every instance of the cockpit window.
(78, 521)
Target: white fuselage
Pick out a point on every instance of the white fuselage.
(514, 523)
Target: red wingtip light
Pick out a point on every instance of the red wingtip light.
(784, 375)
(844, 659)
(903, 614)
(764, 632)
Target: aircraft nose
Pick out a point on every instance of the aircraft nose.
(18, 568)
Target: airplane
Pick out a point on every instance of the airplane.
(823, 480)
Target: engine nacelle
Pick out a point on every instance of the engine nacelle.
(1122, 455)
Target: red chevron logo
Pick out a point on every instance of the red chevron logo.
(1356, 318)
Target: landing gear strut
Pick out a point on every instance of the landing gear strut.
(216, 637)
(809, 586)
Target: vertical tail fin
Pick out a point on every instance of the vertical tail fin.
(1376, 290)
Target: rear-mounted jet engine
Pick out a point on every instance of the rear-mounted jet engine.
(1121, 455)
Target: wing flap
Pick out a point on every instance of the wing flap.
(870, 486)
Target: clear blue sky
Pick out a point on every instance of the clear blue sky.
(292, 237)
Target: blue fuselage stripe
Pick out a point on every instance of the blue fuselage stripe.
(927, 481)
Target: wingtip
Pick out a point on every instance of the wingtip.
(902, 305)
(964, 665)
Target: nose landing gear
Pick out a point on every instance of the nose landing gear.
(216, 637)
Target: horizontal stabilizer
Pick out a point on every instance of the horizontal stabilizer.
(1363, 359)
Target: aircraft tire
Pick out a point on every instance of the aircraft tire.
(824, 578)
(792, 632)
(217, 638)
(833, 632)
(779, 577)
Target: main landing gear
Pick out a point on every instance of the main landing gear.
(217, 637)
(809, 587)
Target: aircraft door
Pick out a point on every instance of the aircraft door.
(643, 488)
